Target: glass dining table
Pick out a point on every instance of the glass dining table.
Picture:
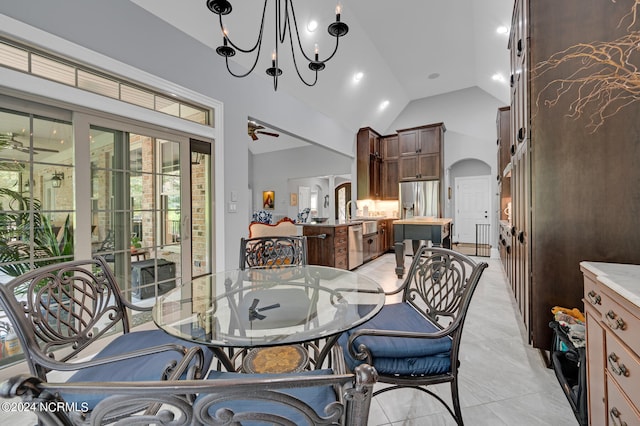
(268, 307)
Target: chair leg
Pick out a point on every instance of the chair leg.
(455, 397)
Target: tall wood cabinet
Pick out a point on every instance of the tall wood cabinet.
(369, 164)
(390, 176)
(420, 152)
(574, 173)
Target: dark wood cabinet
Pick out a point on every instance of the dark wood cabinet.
(420, 152)
(573, 169)
(369, 164)
(385, 235)
(329, 251)
(503, 130)
(369, 247)
(390, 175)
(382, 237)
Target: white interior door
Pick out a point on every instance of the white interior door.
(473, 202)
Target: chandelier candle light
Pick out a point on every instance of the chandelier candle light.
(285, 21)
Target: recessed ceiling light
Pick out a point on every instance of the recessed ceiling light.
(433, 75)
(384, 104)
(502, 30)
(312, 25)
(358, 76)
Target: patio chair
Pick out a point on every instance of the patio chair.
(61, 311)
(271, 251)
(416, 343)
(319, 397)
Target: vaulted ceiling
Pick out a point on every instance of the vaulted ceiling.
(406, 50)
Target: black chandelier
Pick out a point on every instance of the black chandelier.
(284, 17)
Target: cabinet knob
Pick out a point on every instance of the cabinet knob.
(511, 81)
(594, 298)
(521, 237)
(614, 322)
(616, 367)
(513, 149)
(519, 53)
(521, 133)
(615, 417)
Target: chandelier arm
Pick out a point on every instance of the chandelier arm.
(295, 23)
(295, 63)
(258, 41)
(252, 67)
(335, 49)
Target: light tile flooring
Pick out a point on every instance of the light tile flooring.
(503, 380)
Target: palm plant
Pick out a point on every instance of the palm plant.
(22, 222)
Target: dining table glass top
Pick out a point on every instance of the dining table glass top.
(268, 306)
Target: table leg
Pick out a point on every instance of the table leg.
(399, 249)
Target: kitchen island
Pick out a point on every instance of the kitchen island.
(436, 230)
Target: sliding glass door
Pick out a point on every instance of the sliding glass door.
(141, 220)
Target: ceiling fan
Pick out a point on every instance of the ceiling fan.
(254, 129)
(10, 140)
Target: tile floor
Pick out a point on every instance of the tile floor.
(503, 381)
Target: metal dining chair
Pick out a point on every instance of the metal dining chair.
(416, 343)
(61, 312)
(273, 251)
(269, 252)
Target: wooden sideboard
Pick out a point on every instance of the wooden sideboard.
(612, 307)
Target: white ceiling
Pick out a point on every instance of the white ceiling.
(397, 45)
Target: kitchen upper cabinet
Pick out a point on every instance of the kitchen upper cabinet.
(369, 164)
(390, 175)
(421, 152)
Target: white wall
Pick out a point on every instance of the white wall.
(469, 116)
(272, 171)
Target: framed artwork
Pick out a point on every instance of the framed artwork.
(268, 200)
(293, 199)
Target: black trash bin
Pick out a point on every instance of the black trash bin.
(144, 273)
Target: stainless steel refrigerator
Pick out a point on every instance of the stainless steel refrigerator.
(419, 199)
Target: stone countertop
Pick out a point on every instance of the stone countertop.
(424, 221)
(622, 278)
(357, 221)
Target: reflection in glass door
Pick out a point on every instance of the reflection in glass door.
(201, 208)
(136, 210)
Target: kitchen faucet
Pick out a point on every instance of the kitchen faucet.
(349, 210)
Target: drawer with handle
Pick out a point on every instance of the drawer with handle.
(621, 322)
(624, 367)
(620, 413)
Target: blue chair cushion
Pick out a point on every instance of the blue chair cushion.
(317, 397)
(398, 355)
(149, 367)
